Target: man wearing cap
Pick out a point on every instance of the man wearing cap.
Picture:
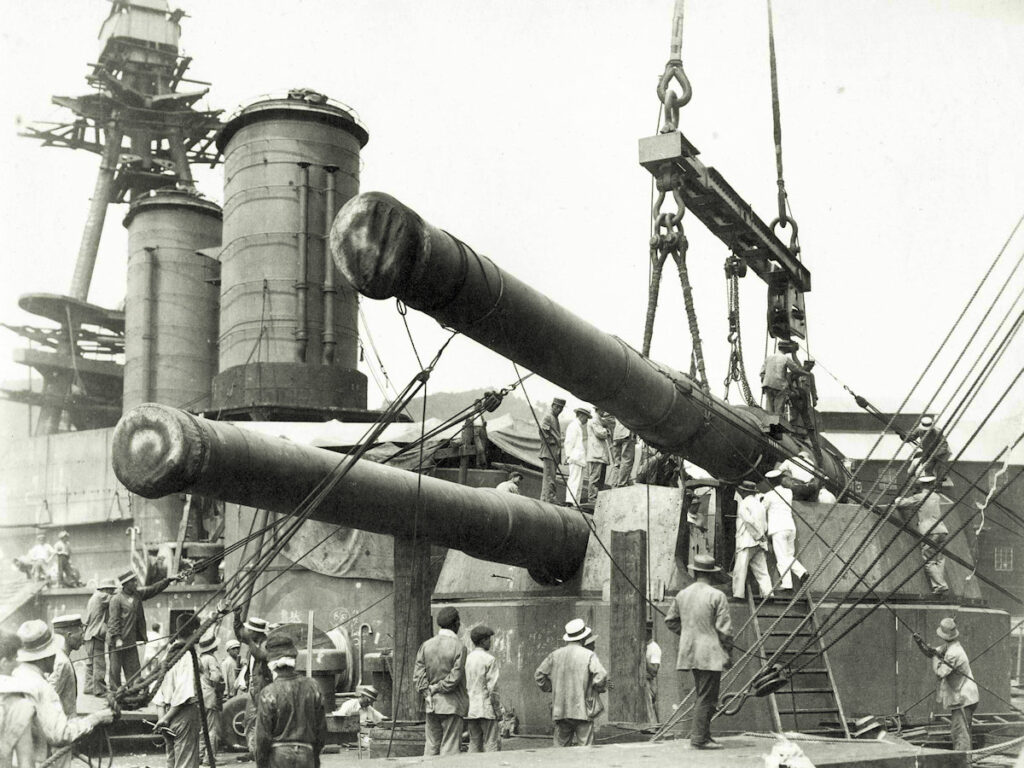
(699, 614)
(96, 638)
(230, 667)
(798, 476)
(775, 377)
(934, 450)
(512, 484)
(778, 505)
(16, 708)
(126, 625)
(550, 450)
(440, 677)
(63, 678)
(211, 681)
(52, 727)
(957, 689)
(362, 705)
(751, 542)
(482, 686)
(623, 454)
(575, 678)
(931, 526)
(253, 632)
(291, 725)
(576, 456)
(176, 700)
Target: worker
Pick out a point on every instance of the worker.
(126, 625)
(176, 700)
(211, 681)
(440, 677)
(778, 505)
(957, 689)
(751, 542)
(595, 700)
(40, 558)
(575, 678)
(599, 453)
(51, 727)
(576, 457)
(931, 526)
(512, 484)
(155, 642)
(798, 475)
(67, 576)
(230, 667)
(96, 638)
(16, 708)
(482, 686)
(699, 614)
(63, 678)
(652, 663)
(550, 450)
(256, 674)
(362, 705)
(291, 723)
(934, 455)
(623, 455)
(775, 377)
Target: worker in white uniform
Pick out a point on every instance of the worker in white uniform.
(576, 456)
(751, 542)
(778, 504)
(798, 476)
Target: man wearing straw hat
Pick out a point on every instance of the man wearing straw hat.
(957, 689)
(699, 614)
(52, 727)
(576, 457)
(291, 725)
(570, 674)
(211, 680)
(253, 632)
(63, 678)
(362, 705)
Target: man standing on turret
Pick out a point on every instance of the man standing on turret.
(775, 379)
(934, 450)
(550, 450)
(126, 625)
(576, 457)
(96, 638)
(931, 526)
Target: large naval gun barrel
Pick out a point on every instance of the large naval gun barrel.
(386, 250)
(159, 450)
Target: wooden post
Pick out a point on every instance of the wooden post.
(627, 633)
(413, 624)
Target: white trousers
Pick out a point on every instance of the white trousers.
(754, 559)
(574, 486)
(784, 546)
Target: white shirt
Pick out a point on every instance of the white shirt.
(575, 444)
(178, 685)
(751, 522)
(653, 653)
(367, 715)
(777, 503)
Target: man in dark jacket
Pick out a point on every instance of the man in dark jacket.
(291, 727)
(126, 625)
(96, 638)
(551, 450)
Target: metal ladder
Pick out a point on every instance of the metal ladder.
(810, 703)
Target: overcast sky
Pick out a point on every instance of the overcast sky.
(514, 125)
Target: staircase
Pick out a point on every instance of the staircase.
(810, 703)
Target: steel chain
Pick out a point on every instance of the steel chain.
(736, 369)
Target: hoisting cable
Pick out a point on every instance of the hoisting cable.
(736, 370)
(783, 217)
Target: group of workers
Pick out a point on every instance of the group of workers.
(598, 449)
(49, 563)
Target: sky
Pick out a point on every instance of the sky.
(514, 125)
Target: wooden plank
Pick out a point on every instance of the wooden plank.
(413, 624)
(627, 641)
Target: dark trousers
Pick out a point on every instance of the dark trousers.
(547, 482)
(124, 660)
(291, 755)
(705, 689)
(182, 743)
(96, 666)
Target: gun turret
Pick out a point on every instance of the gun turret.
(386, 250)
(159, 450)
